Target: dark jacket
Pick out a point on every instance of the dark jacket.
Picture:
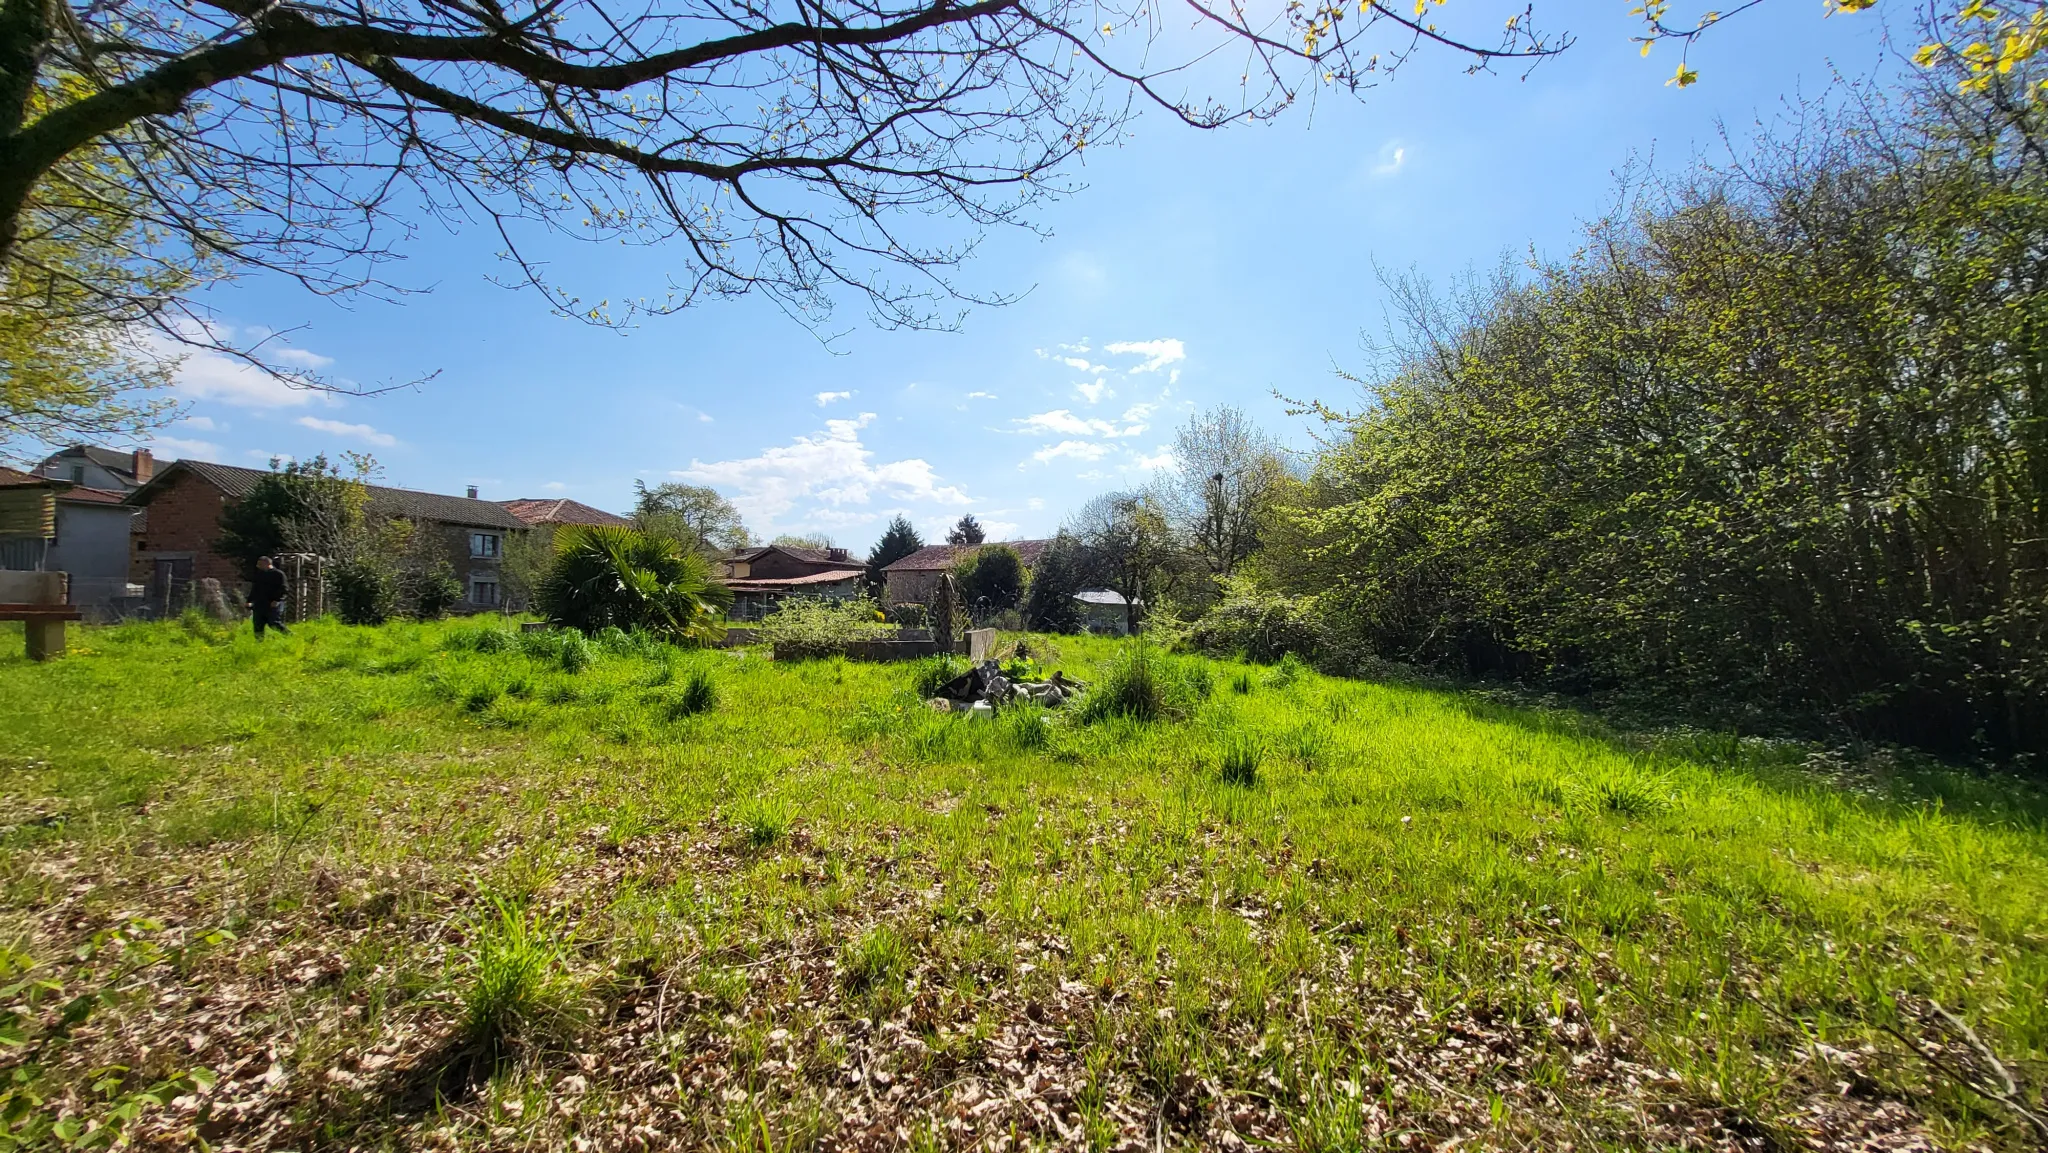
(267, 588)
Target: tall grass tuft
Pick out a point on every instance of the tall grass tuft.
(566, 649)
(931, 673)
(874, 965)
(518, 985)
(1241, 684)
(1024, 727)
(762, 823)
(1144, 684)
(1240, 759)
(698, 695)
(1288, 671)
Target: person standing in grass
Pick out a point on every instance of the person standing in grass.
(266, 598)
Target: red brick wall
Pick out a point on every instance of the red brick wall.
(184, 517)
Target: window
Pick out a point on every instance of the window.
(483, 544)
(483, 592)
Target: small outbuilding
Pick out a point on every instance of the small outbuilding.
(1104, 612)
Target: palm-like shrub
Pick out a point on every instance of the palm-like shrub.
(607, 576)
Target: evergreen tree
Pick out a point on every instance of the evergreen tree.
(967, 531)
(899, 540)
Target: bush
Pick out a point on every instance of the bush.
(361, 592)
(428, 593)
(1145, 684)
(816, 628)
(1261, 626)
(604, 576)
(991, 582)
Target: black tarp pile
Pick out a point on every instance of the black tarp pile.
(984, 688)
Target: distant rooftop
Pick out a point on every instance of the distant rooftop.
(237, 482)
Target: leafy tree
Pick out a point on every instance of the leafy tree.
(813, 540)
(1128, 546)
(694, 514)
(899, 540)
(991, 581)
(75, 295)
(966, 531)
(305, 506)
(1227, 471)
(780, 147)
(607, 576)
(1776, 439)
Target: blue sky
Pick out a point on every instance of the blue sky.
(1195, 268)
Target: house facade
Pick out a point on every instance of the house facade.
(105, 469)
(915, 578)
(53, 525)
(184, 501)
(762, 578)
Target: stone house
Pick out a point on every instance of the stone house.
(57, 525)
(915, 578)
(185, 499)
(761, 578)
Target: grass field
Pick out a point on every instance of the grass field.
(427, 886)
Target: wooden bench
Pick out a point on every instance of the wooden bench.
(44, 625)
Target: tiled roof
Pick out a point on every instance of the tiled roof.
(938, 557)
(65, 490)
(817, 578)
(237, 482)
(79, 494)
(560, 511)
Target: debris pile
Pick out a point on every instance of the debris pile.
(984, 688)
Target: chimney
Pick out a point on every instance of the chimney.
(836, 553)
(143, 466)
(472, 492)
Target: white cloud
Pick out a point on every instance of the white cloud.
(178, 448)
(1062, 422)
(825, 398)
(1000, 529)
(555, 486)
(300, 358)
(208, 374)
(279, 457)
(1392, 155)
(1157, 353)
(202, 424)
(832, 468)
(981, 396)
(1077, 449)
(1162, 458)
(704, 417)
(1093, 392)
(362, 432)
(1035, 503)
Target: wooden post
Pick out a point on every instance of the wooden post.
(45, 638)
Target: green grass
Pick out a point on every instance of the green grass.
(806, 910)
